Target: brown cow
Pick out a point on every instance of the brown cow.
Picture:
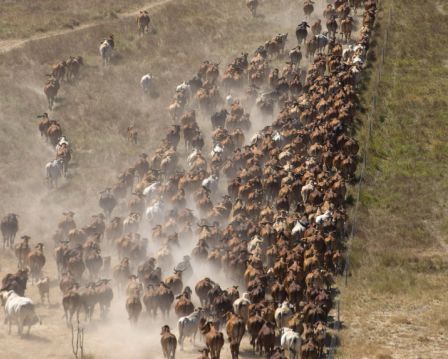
(266, 339)
(58, 70)
(36, 261)
(71, 302)
(16, 282)
(174, 282)
(44, 123)
(43, 284)
(132, 134)
(73, 66)
(184, 306)
(22, 250)
(143, 21)
(169, 343)
(235, 329)
(346, 28)
(51, 91)
(54, 132)
(121, 273)
(254, 324)
(104, 295)
(134, 308)
(214, 339)
(202, 288)
(252, 6)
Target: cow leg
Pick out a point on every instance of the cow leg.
(20, 325)
(181, 342)
(72, 312)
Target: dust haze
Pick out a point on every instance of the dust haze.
(94, 114)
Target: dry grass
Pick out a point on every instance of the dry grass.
(395, 304)
(24, 18)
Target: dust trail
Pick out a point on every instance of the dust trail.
(92, 115)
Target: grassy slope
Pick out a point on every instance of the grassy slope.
(395, 305)
(23, 18)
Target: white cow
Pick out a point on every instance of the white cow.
(145, 82)
(19, 310)
(155, 211)
(306, 190)
(347, 53)
(283, 314)
(291, 342)
(322, 41)
(277, 137)
(188, 326)
(229, 100)
(183, 87)
(216, 149)
(358, 61)
(241, 306)
(193, 156)
(256, 137)
(360, 50)
(254, 243)
(211, 182)
(151, 190)
(298, 228)
(323, 217)
(62, 141)
(53, 171)
(106, 52)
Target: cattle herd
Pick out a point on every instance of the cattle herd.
(265, 208)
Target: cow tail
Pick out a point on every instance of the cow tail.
(171, 349)
(180, 326)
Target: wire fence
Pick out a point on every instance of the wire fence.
(371, 114)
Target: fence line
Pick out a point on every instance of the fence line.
(370, 117)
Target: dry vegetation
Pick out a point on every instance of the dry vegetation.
(50, 15)
(395, 304)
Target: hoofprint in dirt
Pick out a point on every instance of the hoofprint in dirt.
(42, 205)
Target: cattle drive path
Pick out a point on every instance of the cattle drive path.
(11, 44)
(105, 338)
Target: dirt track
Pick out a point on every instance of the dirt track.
(11, 44)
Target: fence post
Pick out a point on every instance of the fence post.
(370, 115)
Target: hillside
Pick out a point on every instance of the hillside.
(96, 111)
(395, 303)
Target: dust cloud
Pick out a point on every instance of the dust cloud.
(94, 114)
